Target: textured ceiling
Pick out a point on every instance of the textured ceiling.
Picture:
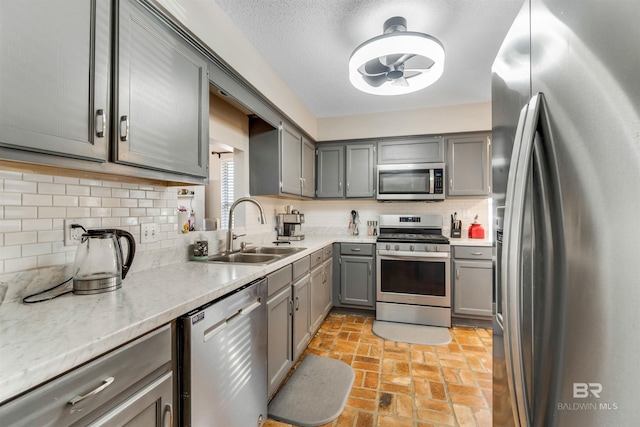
(309, 42)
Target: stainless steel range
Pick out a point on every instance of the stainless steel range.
(414, 273)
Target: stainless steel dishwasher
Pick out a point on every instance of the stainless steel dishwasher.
(224, 361)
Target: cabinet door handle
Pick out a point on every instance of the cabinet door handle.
(340, 186)
(101, 123)
(105, 383)
(451, 184)
(297, 303)
(457, 273)
(124, 128)
(369, 269)
(168, 416)
(290, 307)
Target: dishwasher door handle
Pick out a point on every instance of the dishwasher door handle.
(220, 326)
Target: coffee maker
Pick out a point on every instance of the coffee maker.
(288, 226)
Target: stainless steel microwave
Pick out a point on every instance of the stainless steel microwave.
(420, 181)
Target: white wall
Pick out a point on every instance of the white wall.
(457, 118)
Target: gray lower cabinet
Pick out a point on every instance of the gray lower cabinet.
(163, 97)
(317, 291)
(327, 297)
(54, 77)
(425, 149)
(468, 165)
(345, 170)
(356, 287)
(131, 386)
(281, 161)
(279, 355)
(301, 315)
(472, 282)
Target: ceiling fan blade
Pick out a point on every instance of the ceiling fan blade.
(400, 82)
(374, 67)
(411, 73)
(375, 81)
(399, 59)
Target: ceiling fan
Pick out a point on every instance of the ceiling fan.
(397, 62)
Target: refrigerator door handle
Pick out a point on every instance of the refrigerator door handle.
(511, 256)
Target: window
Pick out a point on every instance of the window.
(226, 191)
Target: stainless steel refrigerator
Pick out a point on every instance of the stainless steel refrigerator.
(566, 189)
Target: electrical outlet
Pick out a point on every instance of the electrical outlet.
(149, 233)
(72, 235)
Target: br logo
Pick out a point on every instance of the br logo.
(584, 390)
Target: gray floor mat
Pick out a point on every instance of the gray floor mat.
(413, 334)
(315, 394)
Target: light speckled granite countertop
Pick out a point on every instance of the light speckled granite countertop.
(41, 341)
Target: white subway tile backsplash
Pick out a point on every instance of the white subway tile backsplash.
(78, 212)
(137, 194)
(145, 203)
(20, 212)
(100, 191)
(15, 186)
(120, 192)
(129, 221)
(152, 194)
(48, 188)
(120, 212)
(51, 236)
(93, 202)
(36, 249)
(78, 190)
(10, 175)
(110, 202)
(20, 238)
(7, 199)
(9, 225)
(37, 200)
(100, 212)
(10, 252)
(70, 201)
(52, 212)
(91, 182)
(52, 259)
(129, 203)
(111, 222)
(36, 177)
(66, 180)
(36, 224)
(20, 264)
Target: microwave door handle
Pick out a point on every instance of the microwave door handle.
(431, 181)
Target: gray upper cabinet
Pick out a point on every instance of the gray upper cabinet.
(426, 149)
(330, 176)
(291, 169)
(281, 161)
(346, 170)
(54, 77)
(360, 170)
(163, 97)
(468, 165)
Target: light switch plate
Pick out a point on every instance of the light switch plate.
(149, 233)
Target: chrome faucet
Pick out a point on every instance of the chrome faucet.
(230, 236)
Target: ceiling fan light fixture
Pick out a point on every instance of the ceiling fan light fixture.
(372, 71)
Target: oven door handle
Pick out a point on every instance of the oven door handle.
(403, 255)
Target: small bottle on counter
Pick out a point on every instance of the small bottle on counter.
(201, 249)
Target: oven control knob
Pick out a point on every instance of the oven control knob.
(411, 248)
(426, 248)
(396, 247)
(387, 246)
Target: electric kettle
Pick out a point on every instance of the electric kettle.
(98, 265)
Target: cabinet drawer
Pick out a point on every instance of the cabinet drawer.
(279, 279)
(300, 267)
(356, 249)
(472, 252)
(327, 252)
(49, 405)
(316, 258)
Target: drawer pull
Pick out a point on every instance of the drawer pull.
(476, 253)
(168, 416)
(355, 249)
(106, 383)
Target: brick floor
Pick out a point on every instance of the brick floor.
(399, 384)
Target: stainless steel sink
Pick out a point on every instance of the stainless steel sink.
(258, 255)
(275, 250)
